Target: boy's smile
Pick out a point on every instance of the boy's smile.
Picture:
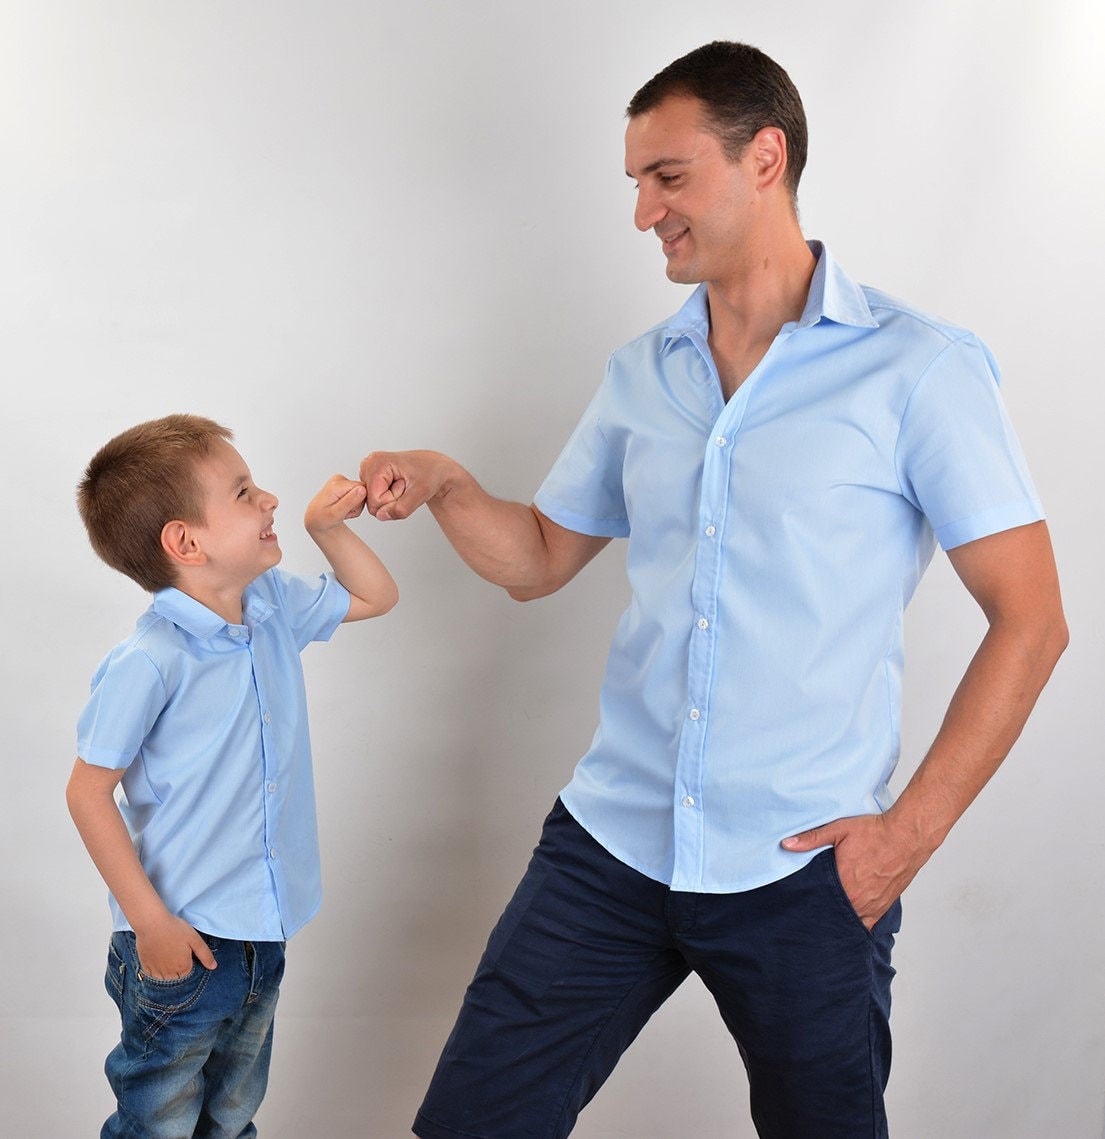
(237, 535)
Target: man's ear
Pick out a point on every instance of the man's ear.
(769, 151)
(180, 543)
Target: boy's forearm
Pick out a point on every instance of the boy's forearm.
(371, 587)
(166, 944)
(91, 801)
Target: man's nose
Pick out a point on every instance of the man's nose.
(649, 209)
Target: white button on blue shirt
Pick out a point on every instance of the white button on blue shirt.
(773, 543)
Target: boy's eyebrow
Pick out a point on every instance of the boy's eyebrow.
(652, 167)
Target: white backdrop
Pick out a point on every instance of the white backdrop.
(341, 226)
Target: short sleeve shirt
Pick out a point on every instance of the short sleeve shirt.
(210, 721)
(753, 685)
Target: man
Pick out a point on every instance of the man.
(781, 455)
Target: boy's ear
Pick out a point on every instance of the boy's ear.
(180, 543)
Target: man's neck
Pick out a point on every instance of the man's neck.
(748, 308)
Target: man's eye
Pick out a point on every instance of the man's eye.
(243, 492)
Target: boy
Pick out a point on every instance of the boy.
(211, 857)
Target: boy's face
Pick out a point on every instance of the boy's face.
(237, 534)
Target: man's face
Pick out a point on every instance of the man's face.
(237, 533)
(699, 202)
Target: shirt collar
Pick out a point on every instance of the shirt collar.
(195, 618)
(833, 296)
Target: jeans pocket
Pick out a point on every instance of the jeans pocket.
(153, 1001)
(171, 994)
(116, 973)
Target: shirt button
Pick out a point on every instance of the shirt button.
(235, 632)
(272, 852)
(688, 800)
(267, 718)
(271, 788)
(721, 440)
(711, 531)
(695, 713)
(703, 623)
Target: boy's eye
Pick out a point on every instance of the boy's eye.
(243, 492)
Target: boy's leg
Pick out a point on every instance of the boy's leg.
(578, 962)
(805, 990)
(237, 1072)
(170, 1031)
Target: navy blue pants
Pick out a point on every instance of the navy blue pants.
(588, 949)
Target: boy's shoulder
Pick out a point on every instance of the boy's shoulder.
(296, 599)
(154, 642)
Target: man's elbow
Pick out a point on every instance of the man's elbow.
(529, 592)
(1046, 638)
(1058, 637)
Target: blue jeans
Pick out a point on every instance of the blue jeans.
(588, 949)
(193, 1059)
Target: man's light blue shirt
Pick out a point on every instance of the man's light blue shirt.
(753, 685)
(210, 721)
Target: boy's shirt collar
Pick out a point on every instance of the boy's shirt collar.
(195, 618)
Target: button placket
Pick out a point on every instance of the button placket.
(692, 760)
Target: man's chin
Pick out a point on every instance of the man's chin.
(682, 274)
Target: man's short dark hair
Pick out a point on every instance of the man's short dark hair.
(742, 91)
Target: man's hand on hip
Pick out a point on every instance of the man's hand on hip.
(875, 860)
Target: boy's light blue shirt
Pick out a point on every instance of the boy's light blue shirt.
(210, 721)
(753, 685)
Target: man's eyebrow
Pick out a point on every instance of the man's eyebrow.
(652, 167)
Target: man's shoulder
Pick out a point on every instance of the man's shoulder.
(894, 314)
(650, 341)
(691, 316)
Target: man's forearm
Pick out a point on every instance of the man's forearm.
(1012, 577)
(506, 543)
(985, 716)
(877, 856)
(499, 540)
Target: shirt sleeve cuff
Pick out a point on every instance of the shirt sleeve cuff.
(580, 523)
(992, 521)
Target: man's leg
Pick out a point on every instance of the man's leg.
(579, 961)
(805, 990)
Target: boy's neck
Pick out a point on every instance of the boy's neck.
(226, 602)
